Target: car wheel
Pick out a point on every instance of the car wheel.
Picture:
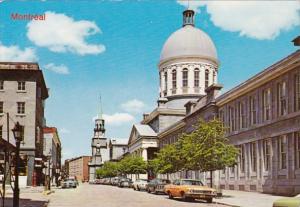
(170, 195)
(154, 190)
(209, 200)
(138, 188)
(148, 190)
(183, 196)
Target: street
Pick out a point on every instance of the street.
(110, 196)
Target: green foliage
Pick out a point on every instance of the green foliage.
(206, 148)
(128, 165)
(109, 169)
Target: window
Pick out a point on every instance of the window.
(282, 151)
(206, 78)
(166, 82)
(21, 85)
(174, 79)
(267, 154)
(253, 156)
(214, 77)
(252, 106)
(231, 119)
(242, 158)
(196, 77)
(185, 77)
(21, 108)
(1, 132)
(267, 104)
(297, 92)
(281, 99)
(1, 107)
(297, 149)
(242, 115)
(222, 117)
(1, 85)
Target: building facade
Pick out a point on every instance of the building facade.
(262, 114)
(23, 93)
(78, 168)
(117, 148)
(52, 150)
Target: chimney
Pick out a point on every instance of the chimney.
(212, 92)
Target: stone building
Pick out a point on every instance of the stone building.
(117, 148)
(23, 93)
(52, 150)
(262, 114)
(78, 168)
(186, 69)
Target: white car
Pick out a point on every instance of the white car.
(140, 184)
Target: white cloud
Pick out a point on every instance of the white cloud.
(61, 33)
(254, 19)
(15, 54)
(134, 106)
(60, 69)
(118, 119)
(64, 131)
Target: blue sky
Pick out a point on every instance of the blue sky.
(113, 47)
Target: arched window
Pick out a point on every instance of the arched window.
(185, 77)
(206, 78)
(166, 82)
(174, 79)
(196, 77)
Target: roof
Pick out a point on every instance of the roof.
(262, 77)
(189, 41)
(27, 68)
(145, 130)
(47, 130)
(119, 141)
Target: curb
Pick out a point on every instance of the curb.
(227, 204)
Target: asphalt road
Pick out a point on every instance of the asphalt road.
(87, 195)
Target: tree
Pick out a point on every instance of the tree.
(206, 148)
(109, 169)
(168, 160)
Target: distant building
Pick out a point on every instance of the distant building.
(23, 92)
(52, 150)
(78, 167)
(117, 148)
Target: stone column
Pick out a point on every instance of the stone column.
(145, 154)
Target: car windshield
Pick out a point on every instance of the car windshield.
(163, 181)
(191, 182)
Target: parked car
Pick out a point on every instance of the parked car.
(125, 182)
(69, 183)
(157, 185)
(288, 202)
(188, 189)
(140, 184)
(115, 181)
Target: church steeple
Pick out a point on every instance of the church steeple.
(99, 129)
(188, 17)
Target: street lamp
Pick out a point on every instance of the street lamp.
(17, 131)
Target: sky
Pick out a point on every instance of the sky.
(112, 48)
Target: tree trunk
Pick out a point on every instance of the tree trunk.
(211, 179)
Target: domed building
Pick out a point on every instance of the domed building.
(188, 62)
(188, 65)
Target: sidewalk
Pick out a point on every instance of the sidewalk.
(29, 197)
(247, 199)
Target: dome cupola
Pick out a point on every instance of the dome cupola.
(188, 61)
